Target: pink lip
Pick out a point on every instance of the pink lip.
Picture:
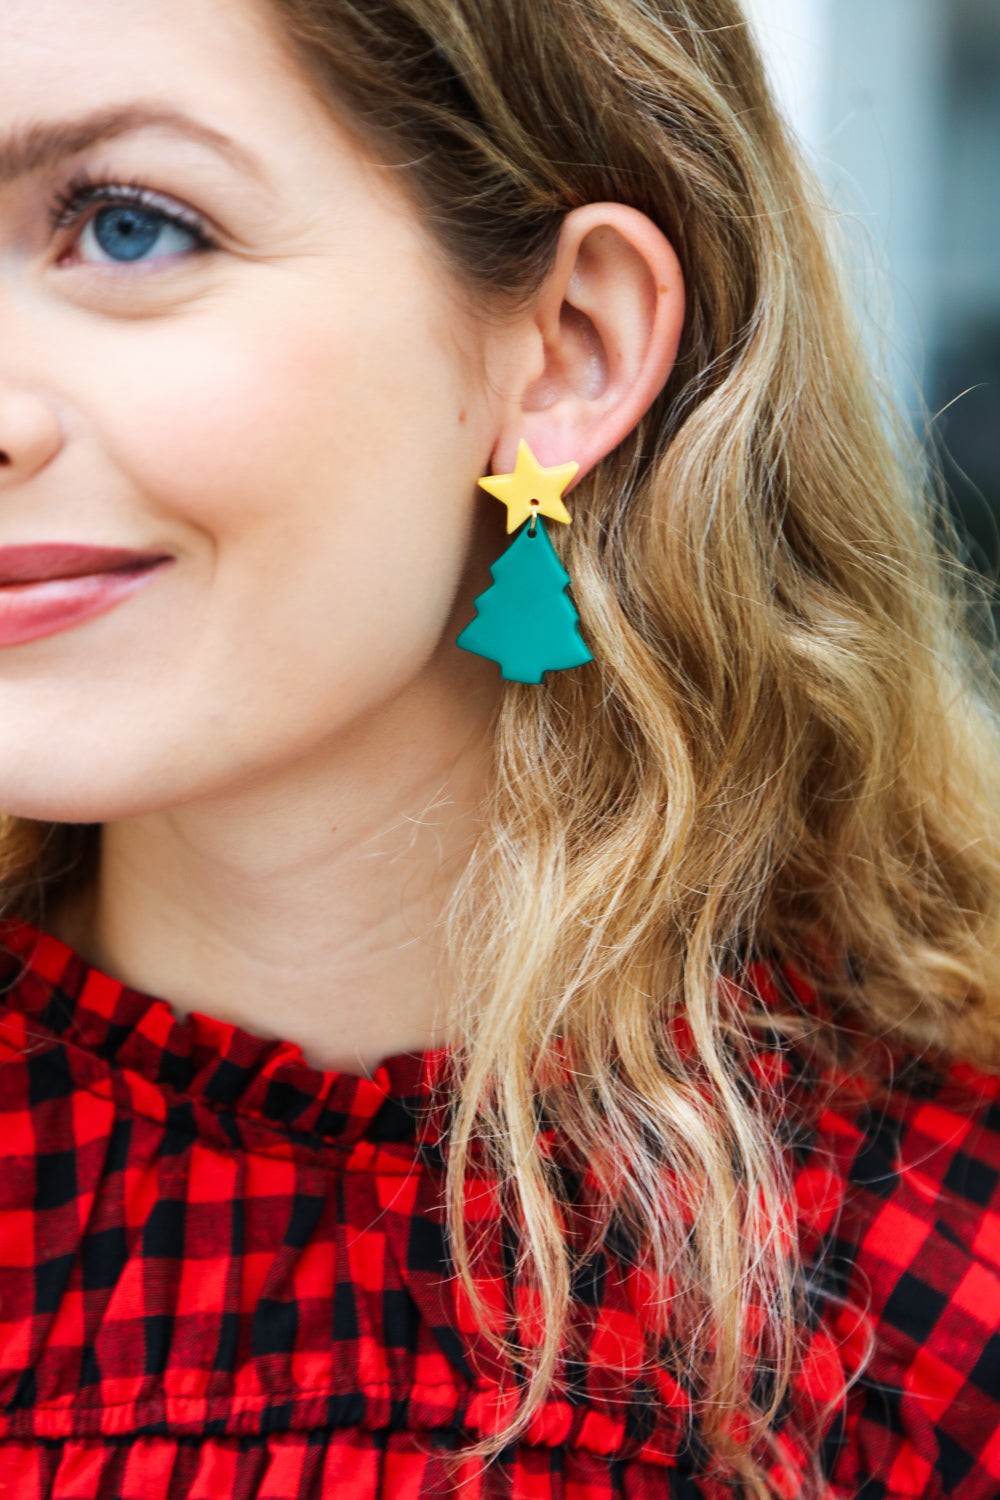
(45, 589)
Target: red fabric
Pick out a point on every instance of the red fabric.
(224, 1274)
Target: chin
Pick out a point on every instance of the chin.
(64, 795)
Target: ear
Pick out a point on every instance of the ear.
(598, 342)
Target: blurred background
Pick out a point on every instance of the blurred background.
(897, 103)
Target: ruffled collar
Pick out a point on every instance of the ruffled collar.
(211, 1061)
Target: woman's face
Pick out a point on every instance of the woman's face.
(228, 351)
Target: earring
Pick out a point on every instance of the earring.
(526, 621)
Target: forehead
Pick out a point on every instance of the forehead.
(60, 59)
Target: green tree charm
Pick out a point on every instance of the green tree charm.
(527, 621)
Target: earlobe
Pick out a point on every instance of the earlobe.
(607, 322)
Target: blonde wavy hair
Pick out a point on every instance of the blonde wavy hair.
(781, 747)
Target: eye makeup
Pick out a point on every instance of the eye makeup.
(86, 196)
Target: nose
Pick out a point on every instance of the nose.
(30, 434)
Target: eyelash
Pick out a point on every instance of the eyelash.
(84, 192)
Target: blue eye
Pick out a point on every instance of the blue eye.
(128, 232)
(122, 224)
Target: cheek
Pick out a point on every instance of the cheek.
(317, 479)
(231, 421)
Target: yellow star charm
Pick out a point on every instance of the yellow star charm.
(531, 481)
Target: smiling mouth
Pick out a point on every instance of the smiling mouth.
(49, 588)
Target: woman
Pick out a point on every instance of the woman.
(574, 1087)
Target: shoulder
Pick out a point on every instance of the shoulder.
(899, 1192)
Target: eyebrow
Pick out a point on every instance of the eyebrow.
(36, 147)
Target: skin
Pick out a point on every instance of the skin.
(282, 742)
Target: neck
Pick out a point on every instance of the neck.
(306, 906)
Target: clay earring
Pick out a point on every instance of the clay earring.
(526, 621)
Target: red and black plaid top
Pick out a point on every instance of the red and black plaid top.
(224, 1274)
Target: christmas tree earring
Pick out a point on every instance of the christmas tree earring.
(526, 621)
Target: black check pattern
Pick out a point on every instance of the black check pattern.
(225, 1274)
